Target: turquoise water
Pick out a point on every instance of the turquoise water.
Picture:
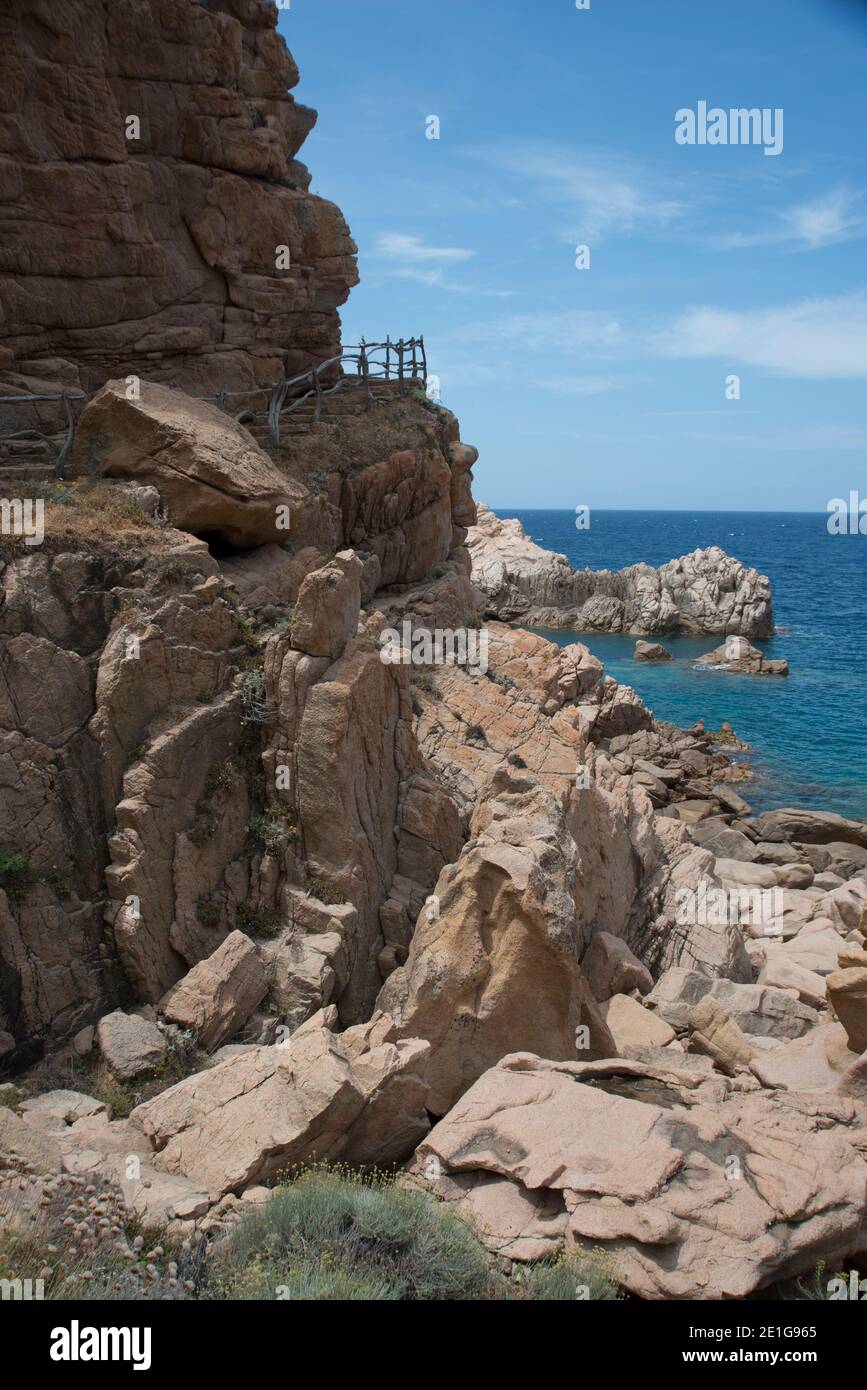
(808, 733)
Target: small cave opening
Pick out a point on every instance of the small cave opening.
(220, 548)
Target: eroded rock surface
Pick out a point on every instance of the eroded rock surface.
(697, 1189)
(153, 249)
(707, 591)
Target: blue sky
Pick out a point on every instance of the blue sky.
(606, 386)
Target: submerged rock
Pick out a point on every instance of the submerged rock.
(740, 656)
(651, 651)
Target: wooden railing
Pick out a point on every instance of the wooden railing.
(67, 398)
(403, 361)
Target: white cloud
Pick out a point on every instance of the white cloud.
(411, 258)
(412, 250)
(598, 193)
(818, 338)
(836, 217)
(557, 332)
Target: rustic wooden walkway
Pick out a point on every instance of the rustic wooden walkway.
(306, 397)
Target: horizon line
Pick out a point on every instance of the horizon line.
(678, 511)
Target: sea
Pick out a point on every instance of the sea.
(807, 732)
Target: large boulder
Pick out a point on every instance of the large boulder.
(218, 995)
(796, 824)
(611, 968)
(326, 612)
(714, 1034)
(819, 1061)
(764, 1010)
(211, 474)
(696, 1188)
(132, 1046)
(503, 933)
(846, 904)
(651, 651)
(358, 1096)
(633, 1027)
(785, 974)
(377, 829)
(676, 991)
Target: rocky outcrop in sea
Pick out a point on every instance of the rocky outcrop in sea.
(707, 591)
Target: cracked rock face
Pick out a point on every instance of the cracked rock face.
(504, 934)
(150, 153)
(704, 592)
(358, 1096)
(696, 1189)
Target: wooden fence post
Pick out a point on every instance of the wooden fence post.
(365, 372)
(317, 414)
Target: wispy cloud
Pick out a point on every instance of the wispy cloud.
(411, 258)
(818, 338)
(838, 216)
(810, 438)
(598, 194)
(556, 331)
(412, 250)
(517, 351)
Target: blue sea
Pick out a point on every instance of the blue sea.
(807, 733)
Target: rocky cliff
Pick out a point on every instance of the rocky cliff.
(188, 742)
(154, 217)
(705, 592)
(275, 896)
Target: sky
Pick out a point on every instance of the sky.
(610, 385)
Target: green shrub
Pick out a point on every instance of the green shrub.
(247, 634)
(814, 1289)
(16, 872)
(264, 923)
(93, 1077)
(585, 1275)
(324, 890)
(331, 1235)
(220, 780)
(208, 910)
(273, 828)
(256, 708)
